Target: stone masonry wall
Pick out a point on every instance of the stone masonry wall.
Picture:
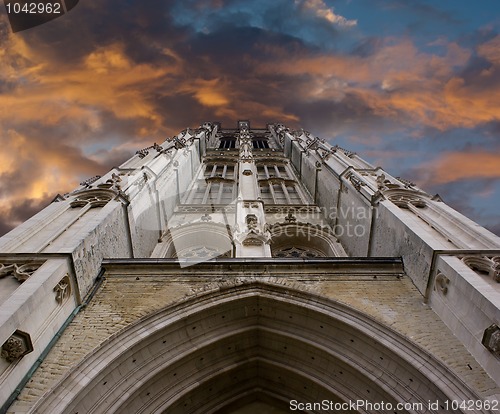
(122, 300)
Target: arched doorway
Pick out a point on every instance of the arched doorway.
(219, 351)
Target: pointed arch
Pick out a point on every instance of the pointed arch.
(305, 239)
(214, 239)
(217, 348)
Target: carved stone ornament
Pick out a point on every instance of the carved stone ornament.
(491, 339)
(296, 251)
(484, 265)
(87, 183)
(142, 153)
(381, 181)
(252, 221)
(253, 241)
(247, 204)
(63, 289)
(496, 269)
(247, 172)
(356, 182)
(93, 198)
(206, 208)
(403, 198)
(18, 345)
(20, 271)
(179, 143)
(441, 283)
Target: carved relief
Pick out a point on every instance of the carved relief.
(201, 252)
(491, 339)
(253, 241)
(145, 151)
(441, 283)
(286, 209)
(296, 251)
(356, 182)
(93, 198)
(87, 183)
(403, 198)
(206, 217)
(252, 222)
(496, 269)
(348, 153)
(113, 182)
(247, 172)
(381, 181)
(484, 265)
(407, 183)
(20, 271)
(229, 208)
(63, 289)
(247, 204)
(179, 143)
(18, 345)
(142, 153)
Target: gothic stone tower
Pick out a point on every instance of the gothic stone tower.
(244, 270)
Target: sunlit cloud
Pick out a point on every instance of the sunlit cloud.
(209, 93)
(321, 10)
(141, 78)
(456, 166)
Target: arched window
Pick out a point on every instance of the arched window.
(260, 143)
(227, 143)
(215, 185)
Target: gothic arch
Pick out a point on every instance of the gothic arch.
(251, 340)
(305, 239)
(180, 242)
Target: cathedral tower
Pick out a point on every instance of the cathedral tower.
(233, 269)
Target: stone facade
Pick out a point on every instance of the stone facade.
(227, 268)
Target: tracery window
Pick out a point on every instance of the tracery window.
(215, 186)
(277, 185)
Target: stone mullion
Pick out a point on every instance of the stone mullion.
(219, 194)
(271, 190)
(285, 191)
(207, 193)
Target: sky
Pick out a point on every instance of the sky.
(412, 86)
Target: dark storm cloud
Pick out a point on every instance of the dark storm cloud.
(11, 217)
(350, 114)
(114, 76)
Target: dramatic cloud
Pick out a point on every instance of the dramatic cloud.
(320, 9)
(82, 93)
(457, 166)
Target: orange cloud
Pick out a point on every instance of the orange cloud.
(455, 166)
(421, 86)
(211, 93)
(106, 80)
